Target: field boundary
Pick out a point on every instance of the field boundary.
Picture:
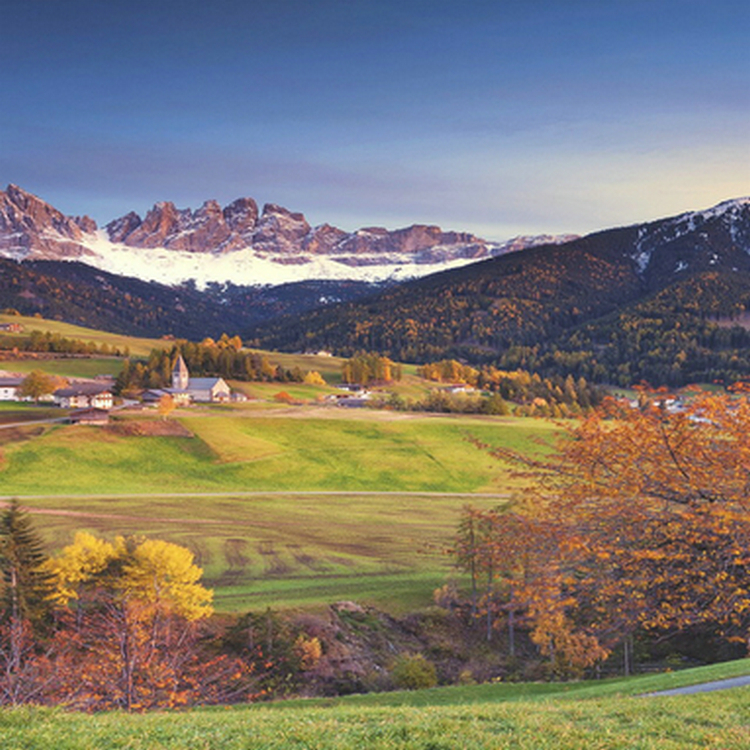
(4, 499)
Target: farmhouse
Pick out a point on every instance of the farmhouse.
(84, 396)
(89, 416)
(9, 388)
(154, 395)
(197, 389)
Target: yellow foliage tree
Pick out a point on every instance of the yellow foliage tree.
(164, 575)
(313, 377)
(138, 602)
(78, 564)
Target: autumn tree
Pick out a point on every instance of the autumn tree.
(166, 405)
(654, 516)
(519, 576)
(369, 367)
(135, 605)
(37, 384)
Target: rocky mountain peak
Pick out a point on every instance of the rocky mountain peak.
(119, 229)
(280, 229)
(241, 216)
(29, 226)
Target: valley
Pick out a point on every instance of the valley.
(344, 525)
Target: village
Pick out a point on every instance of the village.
(90, 401)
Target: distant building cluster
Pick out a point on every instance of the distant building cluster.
(186, 390)
(92, 400)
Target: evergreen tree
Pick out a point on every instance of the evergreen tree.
(25, 584)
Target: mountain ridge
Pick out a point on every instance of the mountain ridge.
(236, 243)
(621, 304)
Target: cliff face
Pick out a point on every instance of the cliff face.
(236, 243)
(29, 227)
(279, 231)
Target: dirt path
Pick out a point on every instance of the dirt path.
(4, 499)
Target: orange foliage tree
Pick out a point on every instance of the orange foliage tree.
(639, 520)
(129, 639)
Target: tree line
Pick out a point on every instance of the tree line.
(553, 396)
(48, 342)
(223, 358)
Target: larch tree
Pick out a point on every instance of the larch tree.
(136, 605)
(653, 515)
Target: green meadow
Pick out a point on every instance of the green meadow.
(273, 450)
(292, 506)
(139, 347)
(557, 716)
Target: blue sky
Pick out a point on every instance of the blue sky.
(500, 118)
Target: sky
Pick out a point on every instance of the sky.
(500, 118)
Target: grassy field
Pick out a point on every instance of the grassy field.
(67, 367)
(287, 507)
(283, 449)
(139, 347)
(488, 717)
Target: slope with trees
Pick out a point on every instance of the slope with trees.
(637, 527)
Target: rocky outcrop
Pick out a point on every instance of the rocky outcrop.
(286, 236)
(119, 229)
(241, 217)
(29, 227)
(280, 230)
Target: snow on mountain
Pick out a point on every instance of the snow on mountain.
(249, 265)
(723, 227)
(236, 244)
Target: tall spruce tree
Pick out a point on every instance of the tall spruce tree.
(25, 584)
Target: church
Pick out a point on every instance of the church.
(201, 390)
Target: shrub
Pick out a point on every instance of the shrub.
(414, 672)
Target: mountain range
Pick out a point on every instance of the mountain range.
(237, 244)
(666, 301)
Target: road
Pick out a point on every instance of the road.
(704, 687)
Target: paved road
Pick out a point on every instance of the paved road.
(704, 687)
(32, 421)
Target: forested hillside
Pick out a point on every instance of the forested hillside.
(477, 311)
(662, 303)
(80, 294)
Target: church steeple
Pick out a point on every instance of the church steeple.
(180, 375)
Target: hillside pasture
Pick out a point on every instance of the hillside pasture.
(139, 347)
(282, 507)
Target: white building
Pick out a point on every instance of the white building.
(204, 390)
(84, 396)
(9, 388)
